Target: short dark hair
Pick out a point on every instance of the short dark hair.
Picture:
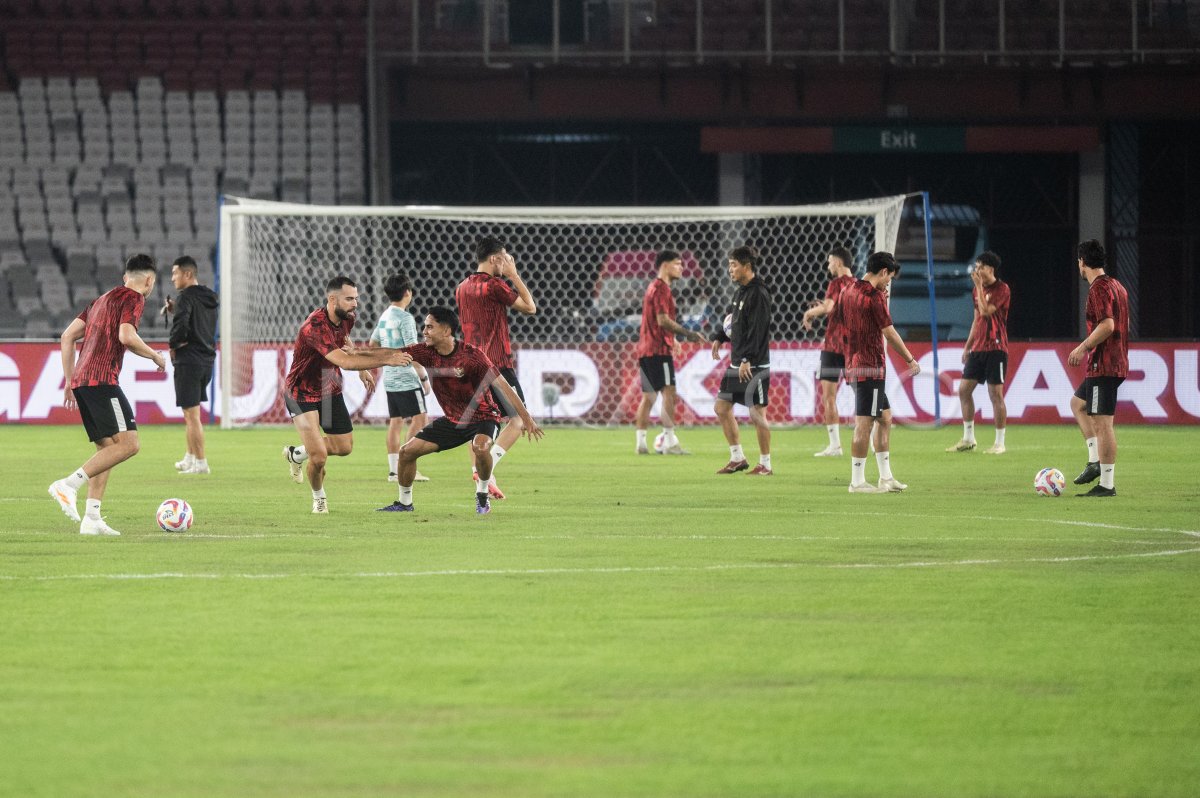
(396, 286)
(989, 258)
(486, 247)
(843, 254)
(882, 261)
(665, 256)
(186, 263)
(444, 315)
(746, 254)
(339, 282)
(1092, 254)
(140, 262)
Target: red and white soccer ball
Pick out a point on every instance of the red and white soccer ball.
(174, 515)
(1049, 482)
(660, 443)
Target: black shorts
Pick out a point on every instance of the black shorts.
(990, 367)
(510, 377)
(754, 392)
(657, 372)
(334, 418)
(105, 411)
(406, 404)
(191, 383)
(445, 434)
(1100, 395)
(870, 399)
(832, 366)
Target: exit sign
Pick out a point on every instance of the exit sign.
(899, 139)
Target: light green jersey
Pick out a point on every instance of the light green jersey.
(396, 328)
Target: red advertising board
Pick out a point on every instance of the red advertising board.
(599, 385)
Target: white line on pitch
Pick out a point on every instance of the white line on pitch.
(599, 570)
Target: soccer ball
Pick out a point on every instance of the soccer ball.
(1049, 482)
(660, 443)
(727, 325)
(174, 515)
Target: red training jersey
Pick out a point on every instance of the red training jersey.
(483, 303)
(461, 381)
(865, 314)
(1107, 299)
(103, 353)
(312, 377)
(653, 339)
(991, 333)
(835, 327)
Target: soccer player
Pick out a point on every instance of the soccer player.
(833, 358)
(483, 302)
(1106, 351)
(313, 388)
(656, 349)
(108, 327)
(464, 382)
(985, 357)
(748, 378)
(193, 333)
(868, 323)
(406, 386)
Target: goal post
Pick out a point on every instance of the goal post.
(587, 268)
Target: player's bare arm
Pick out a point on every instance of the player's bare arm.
(970, 337)
(127, 334)
(897, 343)
(1099, 335)
(670, 325)
(816, 309)
(531, 430)
(68, 340)
(362, 359)
(524, 302)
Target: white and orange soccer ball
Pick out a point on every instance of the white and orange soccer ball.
(1049, 482)
(174, 515)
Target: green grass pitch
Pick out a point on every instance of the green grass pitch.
(619, 626)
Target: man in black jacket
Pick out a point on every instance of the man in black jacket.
(748, 378)
(193, 332)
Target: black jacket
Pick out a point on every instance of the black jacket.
(751, 330)
(195, 324)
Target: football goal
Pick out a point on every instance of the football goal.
(588, 269)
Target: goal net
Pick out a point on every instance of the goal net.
(587, 268)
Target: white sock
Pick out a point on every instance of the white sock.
(835, 435)
(76, 480)
(669, 438)
(764, 460)
(406, 494)
(188, 459)
(319, 494)
(884, 461)
(858, 470)
(736, 454)
(1093, 450)
(969, 431)
(92, 509)
(393, 462)
(497, 453)
(481, 485)
(1106, 474)
(299, 455)
(203, 463)
(641, 437)
(1000, 436)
